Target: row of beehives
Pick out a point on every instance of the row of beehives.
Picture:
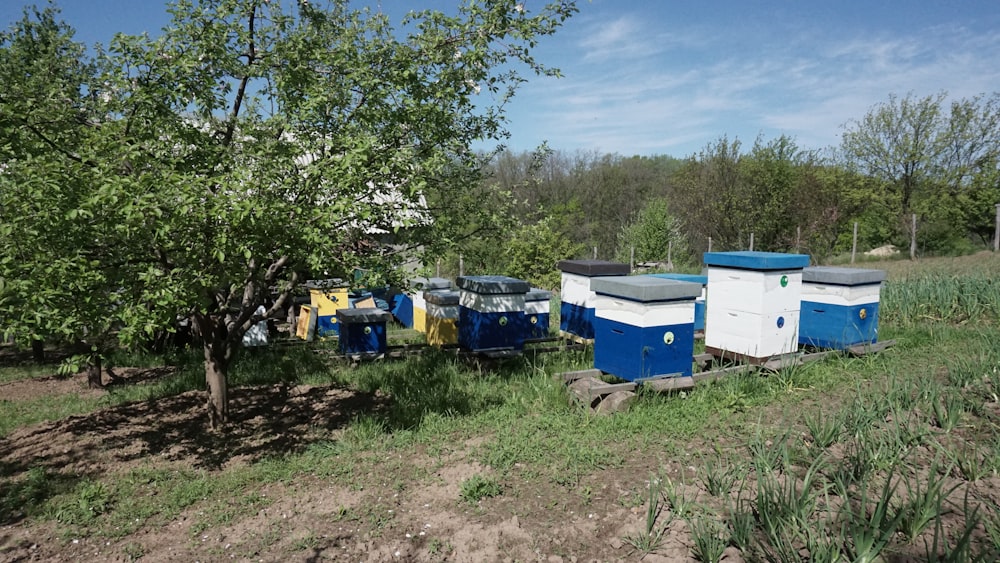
(762, 305)
(752, 306)
(485, 313)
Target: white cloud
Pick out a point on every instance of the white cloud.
(634, 87)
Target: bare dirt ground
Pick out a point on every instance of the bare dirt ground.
(315, 518)
(401, 510)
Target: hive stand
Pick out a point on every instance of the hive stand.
(589, 388)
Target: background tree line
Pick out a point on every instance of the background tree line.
(909, 155)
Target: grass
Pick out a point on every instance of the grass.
(820, 458)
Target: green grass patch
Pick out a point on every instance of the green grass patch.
(823, 447)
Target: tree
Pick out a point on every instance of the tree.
(54, 288)
(252, 143)
(933, 159)
(653, 231)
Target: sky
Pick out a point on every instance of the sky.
(668, 77)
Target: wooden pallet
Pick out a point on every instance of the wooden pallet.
(587, 387)
(589, 390)
(577, 339)
(400, 351)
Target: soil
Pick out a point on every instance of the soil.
(314, 518)
(401, 510)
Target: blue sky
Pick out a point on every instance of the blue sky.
(656, 77)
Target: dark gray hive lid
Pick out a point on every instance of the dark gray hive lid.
(592, 268)
(842, 276)
(645, 288)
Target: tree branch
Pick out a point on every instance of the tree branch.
(241, 92)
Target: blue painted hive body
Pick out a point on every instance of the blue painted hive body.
(840, 307)
(536, 312)
(491, 312)
(755, 303)
(401, 308)
(699, 303)
(576, 308)
(644, 326)
(362, 331)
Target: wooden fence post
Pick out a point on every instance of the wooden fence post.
(996, 234)
(854, 245)
(913, 237)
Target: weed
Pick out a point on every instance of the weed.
(134, 551)
(89, 500)
(631, 500)
(22, 497)
(438, 547)
(477, 487)
(309, 541)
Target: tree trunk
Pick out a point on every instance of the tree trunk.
(218, 351)
(38, 350)
(94, 380)
(218, 388)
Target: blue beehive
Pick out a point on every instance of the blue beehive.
(576, 309)
(362, 331)
(644, 326)
(401, 307)
(536, 312)
(755, 302)
(491, 312)
(840, 306)
(699, 303)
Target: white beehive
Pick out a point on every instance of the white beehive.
(576, 310)
(755, 300)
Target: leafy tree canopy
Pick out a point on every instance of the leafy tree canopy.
(250, 143)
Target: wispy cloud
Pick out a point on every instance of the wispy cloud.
(619, 39)
(626, 93)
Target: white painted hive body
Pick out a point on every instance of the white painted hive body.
(576, 309)
(754, 305)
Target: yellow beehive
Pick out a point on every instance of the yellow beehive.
(442, 317)
(418, 286)
(328, 297)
